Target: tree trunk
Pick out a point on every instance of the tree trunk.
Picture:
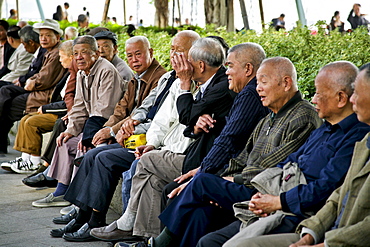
(105, 12)
(1, 7)
(161, 13)
(220, 13)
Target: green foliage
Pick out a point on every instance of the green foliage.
(308, 52)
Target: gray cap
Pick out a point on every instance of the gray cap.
(106, 35)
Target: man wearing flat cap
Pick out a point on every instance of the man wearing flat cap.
(107, 45)
(15, 101)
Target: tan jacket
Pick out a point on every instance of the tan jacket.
(43, 83)
(125, 106)
(95, 97)
(354, 225)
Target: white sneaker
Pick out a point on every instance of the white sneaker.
(25, 167)
(51, 201)
(7, 165)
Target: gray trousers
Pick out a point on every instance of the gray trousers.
(153, 172)
(275, 240)
(61, 167)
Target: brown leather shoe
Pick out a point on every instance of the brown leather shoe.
(111, 233)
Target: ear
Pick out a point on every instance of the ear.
(151, 52)
(249, 69)
(202, 66)
(287, 83)
(115, 49)
(343, 99)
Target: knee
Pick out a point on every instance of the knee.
(32, 121)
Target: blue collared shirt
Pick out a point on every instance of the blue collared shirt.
(244, 115)
(324, 159)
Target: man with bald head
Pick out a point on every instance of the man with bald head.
(281, 132)
(323, 160)
(343, 220)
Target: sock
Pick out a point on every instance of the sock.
(127, 220)
(60, 190)
(46, 174)
(35, 160)
(83, 216)
(25, 156)
(166, 238)
(97, 219)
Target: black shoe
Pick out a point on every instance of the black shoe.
(64, 219)
(82, 235)
(72, 226)
(41, 169)
(39, 180)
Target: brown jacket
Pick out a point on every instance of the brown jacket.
(125, 106)
(43, 83)
(71, 86)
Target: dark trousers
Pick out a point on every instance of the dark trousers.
(97, 177)
(58, 128)
(13, 101)
(4, 83)
(191, 216)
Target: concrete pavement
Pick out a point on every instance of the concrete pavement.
(24, 225)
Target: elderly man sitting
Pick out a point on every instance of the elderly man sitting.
(15, 100)
(99, 87)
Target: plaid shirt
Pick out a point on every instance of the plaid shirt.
(274, 138)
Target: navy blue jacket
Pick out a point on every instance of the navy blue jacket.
(324, 159)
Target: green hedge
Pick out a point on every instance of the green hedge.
(308, 52)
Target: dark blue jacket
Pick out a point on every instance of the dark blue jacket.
(324, 160)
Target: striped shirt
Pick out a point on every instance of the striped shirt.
(245, 113)
(274, 139)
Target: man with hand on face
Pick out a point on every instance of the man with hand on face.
(284, 130)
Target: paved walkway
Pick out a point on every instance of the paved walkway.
(24, 225)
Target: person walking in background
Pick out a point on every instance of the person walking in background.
(358, 19)
(13, 14)
(336, 23)
(67, 16)
(278, 23)
(59, 15)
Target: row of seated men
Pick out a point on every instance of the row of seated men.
(233, 157)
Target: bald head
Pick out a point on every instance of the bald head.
(276, 82)
(339, 76)
(282, 67)
(182, 42)
(249, 53)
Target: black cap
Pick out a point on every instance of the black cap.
(106, 35)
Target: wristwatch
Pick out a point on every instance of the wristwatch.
(111, 132)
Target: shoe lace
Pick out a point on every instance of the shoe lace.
(25, 165)
(17, 160)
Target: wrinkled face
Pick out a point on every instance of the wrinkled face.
(139, 57)
(270, 88)
(180, 44)
(361, 98)
(236, 73)
(48, 39)
(325, 98)
(106, 48)
(2, 33)
(30, 46)
(84, 56)
(65, 60)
